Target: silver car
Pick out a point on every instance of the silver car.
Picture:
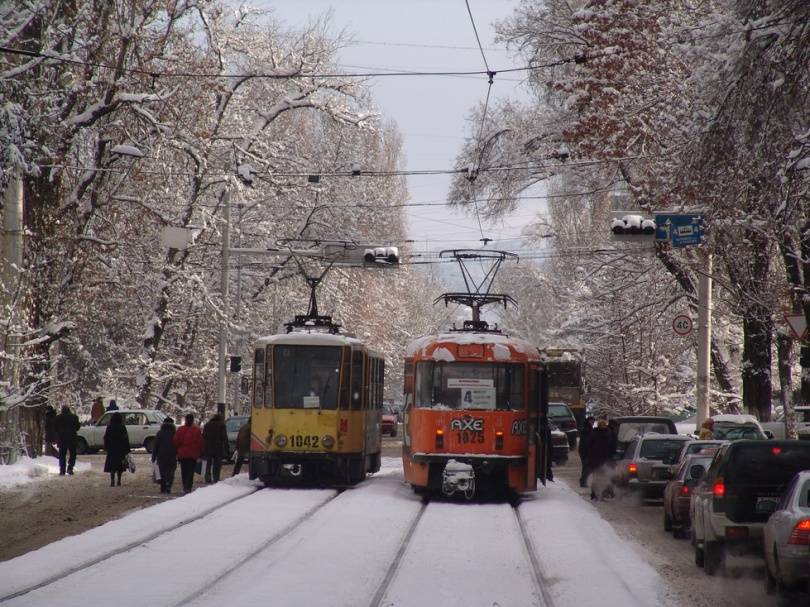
(787, 536)
(646, 463)
(142, 426)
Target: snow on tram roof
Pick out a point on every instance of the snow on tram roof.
(314, 338)
(497, 340)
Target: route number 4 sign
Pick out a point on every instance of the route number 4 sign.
(682, 325)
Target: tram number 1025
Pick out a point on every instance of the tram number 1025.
(298, 440)
(468, 436)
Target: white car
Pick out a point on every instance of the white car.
(142, 426)
(787, 536)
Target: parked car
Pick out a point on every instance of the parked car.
(697, 447)
(232, 425)
(142, 426)
(559, 445)
(738, 493)
(389, 421)
(737, 427)
(787, 537)
(646, 461)
(627, 428)
(678, 492)
(564, 419)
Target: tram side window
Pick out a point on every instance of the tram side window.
(382, 384)
(268, 377)
(357, 379)
(345, 367)
(258, 378)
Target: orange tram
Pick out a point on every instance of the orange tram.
(476, 403)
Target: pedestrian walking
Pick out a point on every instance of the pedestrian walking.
(113, 406)
(189, 443)
(96, 410)
(242, 447)
(601, 445)
(164, 453)
(67, 426)
(116, 444)
(215, 436)
(584, 438)
(707, 429)
(50, 432)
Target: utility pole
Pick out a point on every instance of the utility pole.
(704, 335)
(235, 384)
(223, 329)
(12, 254)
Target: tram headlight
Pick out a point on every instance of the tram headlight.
(499, 440)
(328, 441)
(439, 438)
(281, 440)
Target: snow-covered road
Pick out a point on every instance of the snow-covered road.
(373, 545)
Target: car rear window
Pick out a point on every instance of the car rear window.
(558, 411)
(629, 430)
(737, 432)
(769, 464)
(661, 449)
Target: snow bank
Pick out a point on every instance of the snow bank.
(583, 558)
(70, 553)
(26, 470)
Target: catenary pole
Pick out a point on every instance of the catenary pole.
(704, 335)
(223, 330)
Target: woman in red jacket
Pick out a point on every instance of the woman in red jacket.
(188, 441)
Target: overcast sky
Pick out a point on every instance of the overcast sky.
(430, 111)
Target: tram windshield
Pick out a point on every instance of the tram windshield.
(306, 377)
(480, 386)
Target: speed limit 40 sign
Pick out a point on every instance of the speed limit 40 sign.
(682, 325)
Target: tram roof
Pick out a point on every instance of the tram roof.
(422, 345)
(309, 338)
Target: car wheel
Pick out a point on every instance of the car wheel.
(394, 431)
(712, 557)
(699, 557)
(667, 521)
(81, 446)
(149, 443)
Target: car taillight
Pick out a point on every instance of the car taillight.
(736, 533)
(632, 469)
(719, 488)
(684, 490)
(801, 533)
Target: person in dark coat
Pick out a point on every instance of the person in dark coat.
(189, 443)
(113, 406)
(116, 443)
(67, 426)
(215, 436)
(601, 445)
(584, 437)
(165, 454)
(242, 447)
(50, 432)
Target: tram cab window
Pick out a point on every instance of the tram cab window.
(477, 386)
(307, 377)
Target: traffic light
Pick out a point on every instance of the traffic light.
(382, 255)
(236, 364)
(632, 227)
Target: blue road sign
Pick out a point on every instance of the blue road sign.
(680, 230)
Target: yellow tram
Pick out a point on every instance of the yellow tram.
(316, 406)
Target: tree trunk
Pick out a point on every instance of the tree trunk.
(756, 367)
(784, 355)
(804, 357)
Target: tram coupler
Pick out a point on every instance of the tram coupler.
(293, 470)
(458, 477)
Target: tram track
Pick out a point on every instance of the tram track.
(382, 589)
(538, 576)
(277, 537)
(123, 549)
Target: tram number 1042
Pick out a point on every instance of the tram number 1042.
(466, 437)
(299, 440)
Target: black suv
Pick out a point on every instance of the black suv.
(738, 493)
(629, 427)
